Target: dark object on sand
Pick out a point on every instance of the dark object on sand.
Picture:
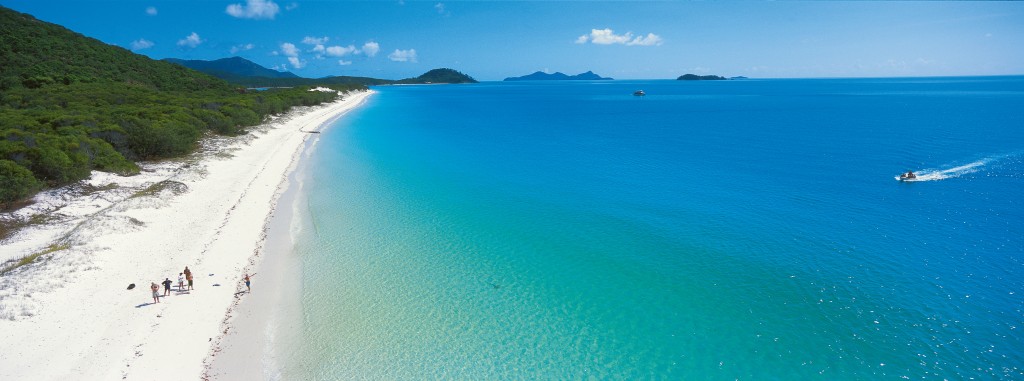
(131, 286)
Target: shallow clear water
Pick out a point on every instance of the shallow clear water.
(709, 230)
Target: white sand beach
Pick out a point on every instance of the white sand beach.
(69, 314)
(265, 322)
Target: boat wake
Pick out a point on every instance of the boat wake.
(935, 174)
(942, 174)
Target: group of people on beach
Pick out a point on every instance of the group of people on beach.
(185, 276)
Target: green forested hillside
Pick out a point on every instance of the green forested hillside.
(35, 53)
(70, 104)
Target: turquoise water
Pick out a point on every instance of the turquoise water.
(710, 230)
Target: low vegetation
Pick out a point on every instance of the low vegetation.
(32, 258)
(10, 224)
(176, 187)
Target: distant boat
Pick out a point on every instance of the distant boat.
(639, 93)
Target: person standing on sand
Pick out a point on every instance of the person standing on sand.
(181, 281)
(156, 292)
(167, 286)
(247, 287)
(188, 277)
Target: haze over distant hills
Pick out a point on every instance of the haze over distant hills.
(226, 68)
(558, 76)
(243, 72)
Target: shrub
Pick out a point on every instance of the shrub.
(55, 165)
(16, 182)
(161, 139)
(216, 121)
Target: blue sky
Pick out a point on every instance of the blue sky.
(491, 40)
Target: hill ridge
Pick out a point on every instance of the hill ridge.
(226, 68)
(558, 76)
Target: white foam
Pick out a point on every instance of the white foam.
(935, 174)
(942, 174)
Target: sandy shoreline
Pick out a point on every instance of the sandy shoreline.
(69, 314)
(259, 325)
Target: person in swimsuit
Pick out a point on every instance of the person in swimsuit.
(156, 292)
(167, 286)
(247, 282)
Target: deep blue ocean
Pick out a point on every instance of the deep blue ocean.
(743, 229)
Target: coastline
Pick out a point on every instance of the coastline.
(69, 315)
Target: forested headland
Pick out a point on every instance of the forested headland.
(70, 104)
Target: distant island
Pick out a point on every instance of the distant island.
(557, 76)
(443, 75)
(694, 77)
